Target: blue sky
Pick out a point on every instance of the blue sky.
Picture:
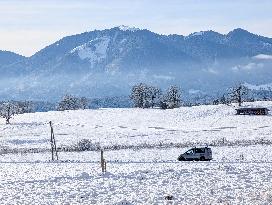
(27, 26)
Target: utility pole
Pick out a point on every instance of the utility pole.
(54, 150)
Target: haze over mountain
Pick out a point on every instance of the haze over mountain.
(7, 57)
(108, 62)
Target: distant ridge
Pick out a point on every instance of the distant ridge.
(106, 63)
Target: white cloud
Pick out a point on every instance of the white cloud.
(164, 77)
(211, 70)
(247, 67)
(193, 91)
(263, 57)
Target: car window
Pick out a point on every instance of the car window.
(200, 150)
(189, 151)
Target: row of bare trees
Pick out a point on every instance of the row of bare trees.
(10, 108)
(142, 96)
(146, 96)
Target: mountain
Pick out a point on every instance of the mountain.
(106, 63)
(7, 57)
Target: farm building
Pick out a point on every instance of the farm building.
(252, 111)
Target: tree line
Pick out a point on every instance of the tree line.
(146, 96)
(68, 102)
(142, 96)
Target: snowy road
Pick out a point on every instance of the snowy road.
(235, 154)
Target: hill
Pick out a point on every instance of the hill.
(137, 128)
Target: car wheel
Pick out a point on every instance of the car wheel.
(202, 158)
(181, 159)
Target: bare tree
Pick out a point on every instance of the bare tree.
(155, 95)
(70, 102)
(222, 100)
(9, 109)
(238, 93)
(25, 107)
(83, 103)
(172, 98)
(139, 95)
(145, 96)
(265, 94)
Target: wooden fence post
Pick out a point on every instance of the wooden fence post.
(54, 150)
(103, 162)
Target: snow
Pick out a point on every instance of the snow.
(145, 169)
(197, 125)
(128, 28)
(225, 154)
(200, 33)
(197, 33)
(95, 50)
(204, 124)
(145, 183)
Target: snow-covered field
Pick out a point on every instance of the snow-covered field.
(146, 183)
(200, 125)
(144, 169)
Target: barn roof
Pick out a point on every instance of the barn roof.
(252, 108)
